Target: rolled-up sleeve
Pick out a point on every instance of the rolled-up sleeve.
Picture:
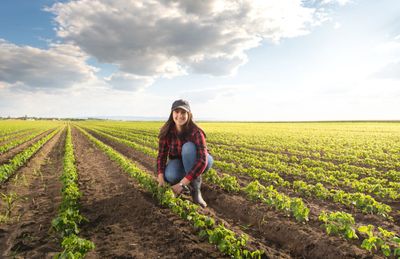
(162, 155)
(201, 156)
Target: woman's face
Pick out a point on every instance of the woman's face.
(180, 116)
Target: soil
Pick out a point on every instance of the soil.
(28, 234)
(14, 151)
(125, 222)
(316, 205)
(265, 226)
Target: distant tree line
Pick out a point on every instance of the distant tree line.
(39, 118)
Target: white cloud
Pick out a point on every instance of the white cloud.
(205, 95)
(337, 25)
(220, 65)
(390, 70)
(124, 81)
(390, 47)
(390, 52)
(28, 68)
(340, 2)
(169, 38)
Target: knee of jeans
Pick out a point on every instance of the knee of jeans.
(188, 148)
(170, 177)
(210, 162)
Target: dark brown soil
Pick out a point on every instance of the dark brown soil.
(29, 234)
(315, 204)
(268, 227)
(125, 222)
(12, 152)
(290, 178)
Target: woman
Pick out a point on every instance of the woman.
(183, 142)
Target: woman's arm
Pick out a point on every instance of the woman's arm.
(162, 159)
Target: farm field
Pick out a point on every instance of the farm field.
(276, 190)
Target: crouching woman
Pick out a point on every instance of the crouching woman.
(184, 144)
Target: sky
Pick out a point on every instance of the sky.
(246, 60)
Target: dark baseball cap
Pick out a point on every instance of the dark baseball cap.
(183, 104)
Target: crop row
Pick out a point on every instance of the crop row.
(17, 161)
(68, 219)
(341, 171)
(13, 134)
(226, 240)
(244, 163)
(270, 196)
(361, 157)
(365, 203)
(13, 127)
(371, 173)
(358, 200)
(311, 170)
(343, 224)
(377, 148)
(6, 130)
(15, 142)
(355, 143)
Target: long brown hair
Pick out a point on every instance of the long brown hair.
(187, 128)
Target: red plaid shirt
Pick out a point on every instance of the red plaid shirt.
(171, 147)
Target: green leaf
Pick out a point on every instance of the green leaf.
(385, 249)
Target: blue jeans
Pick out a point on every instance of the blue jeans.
(177, 169)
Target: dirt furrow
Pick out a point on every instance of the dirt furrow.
(38, 190)
(125, 222)
(315, 204)
(146, 163)
(12, 152)
(266, 225)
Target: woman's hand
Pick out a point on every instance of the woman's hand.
(160, 180)
(177, 188)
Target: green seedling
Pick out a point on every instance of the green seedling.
(339, 223)
(382, 239)
(9, 200)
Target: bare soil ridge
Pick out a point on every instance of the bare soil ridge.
(39, 190)
(125, 222)
(269, 227)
